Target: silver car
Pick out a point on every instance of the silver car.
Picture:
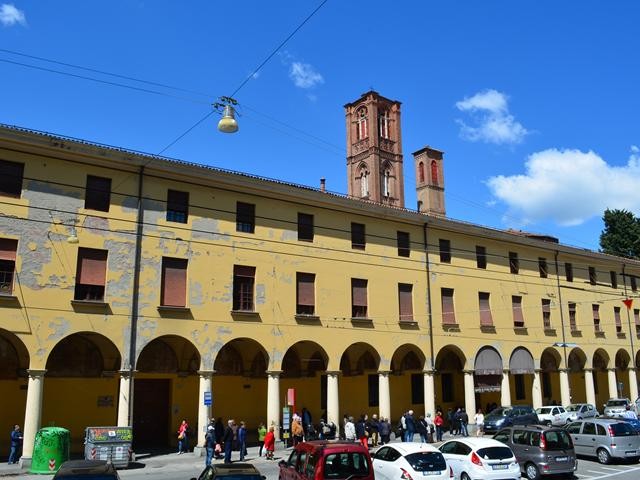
(578, 411)
(605, 439)
(616, 407)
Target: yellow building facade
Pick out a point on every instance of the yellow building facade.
(132, 285)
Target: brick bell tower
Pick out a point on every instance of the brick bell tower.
(430, 181)
(374, 150)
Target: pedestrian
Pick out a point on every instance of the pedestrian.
(227, 439)
(210, 444)
(430, 428)
(262, 432)
(270, 443)
(16, 445)
(183, 437)
(350, 430)
(456, 422)
(361, 431)
(479, 419)
(385, 431)
(421, 428)
(402, 427)
(307, 422)
(464, 422)
(628, 413)
(450, 424)
(297, 431)
(438, 422)
(374, 429)
(242, 440)
(411, 426)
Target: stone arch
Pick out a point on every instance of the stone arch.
(450, 358)
(358, 358)
(550, 360)
(576, 361)
(622, 359)
(83, 354)
(600, 359)
(407, 357)
(169, 354)
(521, 362)
(304, 359)
(14, 356)
(241, 356)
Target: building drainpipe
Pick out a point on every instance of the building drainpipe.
(135, 294)
(429, 315)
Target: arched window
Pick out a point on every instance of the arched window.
(383, 124)
(434, 172)
(421, 172)
(362, 124)
(386, 184)
(364, 183)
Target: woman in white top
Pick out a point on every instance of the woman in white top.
(479, 418)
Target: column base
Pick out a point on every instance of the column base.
(25, 462)
(200, 451)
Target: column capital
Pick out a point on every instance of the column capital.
(127, 373)
(274, 373)
(36, 373)
(563, 370)
(469, 372)
(611, 369)
(537, 371)
(384, 373)
(429, 372)
(588, 369)
(506, 371)
(334, 373)
(206, 373)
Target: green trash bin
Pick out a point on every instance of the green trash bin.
(50, 450)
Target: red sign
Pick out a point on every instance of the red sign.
(291, 397)
(628, 302)
(52, 464)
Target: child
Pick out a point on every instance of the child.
(270, 443)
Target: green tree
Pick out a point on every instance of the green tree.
(621, 234)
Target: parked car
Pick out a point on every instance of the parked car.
(540, 450)
(86, 469)
(615, 407)
(503, 417)
(410, 460)
(605, 439)
(230, 471)
(552, 415)
(480, 458)
(578, 411)
(325, 460)
(634, 422)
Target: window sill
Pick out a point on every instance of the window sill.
(8, 300)
(599, 334)
(362, 322)
(450, 327)
(576, 333)
(488, 328)
(408, 324)
(246, 315)
(622, 335)
(89, 305)
(520, 330)
(307, 319)
(174, 311)
(550, 332)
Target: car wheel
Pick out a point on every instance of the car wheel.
(531, 471)
(547, 423)
(603, 456)
(464, 476)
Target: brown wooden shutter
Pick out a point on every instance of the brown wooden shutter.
(485, 309)
(448, 313)
(596, 312)
(405, 297)
(359, 292)
(174, 282)
(572, 316)
(518, 318)
(616, 316)
(636, 316)
(8, 248)
(306, 290)
(92, 266)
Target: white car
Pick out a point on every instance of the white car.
(480, 459)
(553, 415)
(410, 461)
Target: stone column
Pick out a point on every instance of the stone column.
(505, 389)
(429, 392)
(470, 395)
(536, 389)
(613, 384)
(384, 397)
(273, 401)
(565, 391)
(33, 414)
(633, 384)
(204, 411)
(588, 386)
(124, 402)
(333, 400)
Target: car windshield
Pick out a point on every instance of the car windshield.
(426, 461)
(495, 453)
(543, 410)
(500, 412)
(622, 429)
(557, 440)
(346, 464)
(573, 408)
(616, 403)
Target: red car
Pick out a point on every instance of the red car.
(327, 460)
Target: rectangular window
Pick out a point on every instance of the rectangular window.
(593, 276)
(568, 271)
(91, 274)
(618, 320)
(543, 268)
(174, 282)
(177, 206)
(485, 309)
(634, 283)
(448, 312)
(11, 174)
(358, 298)
(447, 387)
(516, 307)
(405, 300)
(481, 257)
(572, 317)
(305, 227)
(243, 282)
(614, 279)
(374, 391)
(445, 250)
(546, 313)
(358, 237)
(305, 294)
(596, 317)
(519, 382)
(404, 248)
(417, 389)
(514, 263)
(8, 249)
(636, 318)
(97, 193)
(245, 217)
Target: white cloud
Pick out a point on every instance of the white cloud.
(304, 75)
(10, 15)
(568, 187)
(492, 122)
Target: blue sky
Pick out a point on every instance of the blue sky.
(534, 102)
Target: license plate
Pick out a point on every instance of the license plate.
(431, 472)
(562, 459)
(630, 453)
(500, 467)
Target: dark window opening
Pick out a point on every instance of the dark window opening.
(305, 294)
(514, 263)
(305, 227)
(8, 249)
(634, 283)
(546, 313)
(177, 206)
(568, 272)
(481, 257)
(98, 193)
(618, 320)
(245, 217)
(358, 237)
(614, 279)
(596, 317)
(11, 174)
(243, 282)
(543, 268)
(90, 274)
(404, 248)
(572, 316)
(374, 392)
(593, 276)
(445, 250)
